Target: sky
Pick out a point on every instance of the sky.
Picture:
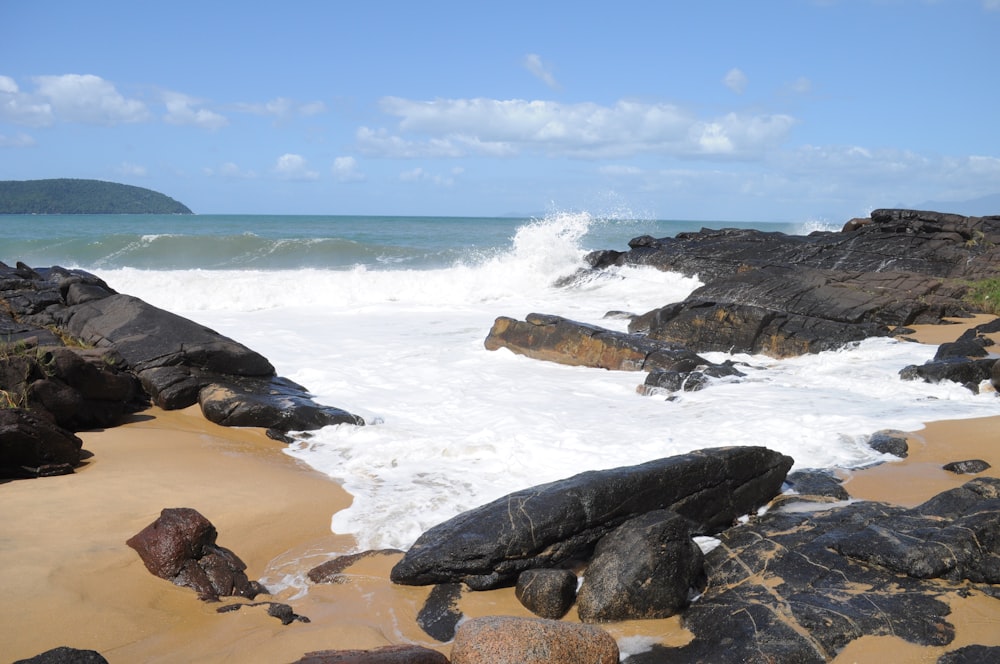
(784, 110)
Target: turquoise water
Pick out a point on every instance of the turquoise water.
(268, 242)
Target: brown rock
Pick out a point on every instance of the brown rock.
(510, 640)
(401, 654)
(180, 547)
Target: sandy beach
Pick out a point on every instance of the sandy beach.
(69, 578)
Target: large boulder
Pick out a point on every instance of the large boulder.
(510, 640)
(180, 546)
(147, 336)
(648, 567)
(547, 525)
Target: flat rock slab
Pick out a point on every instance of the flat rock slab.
(546, 525)
(794, 586)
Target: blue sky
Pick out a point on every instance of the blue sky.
(785, 110)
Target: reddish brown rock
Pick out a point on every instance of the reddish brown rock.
(180, 547)
(510, 640)
(402, 654)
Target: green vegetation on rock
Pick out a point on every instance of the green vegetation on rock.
(985, 294)
(68, 196)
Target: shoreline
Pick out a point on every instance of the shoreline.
(71, 580)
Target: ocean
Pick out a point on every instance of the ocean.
(386, 316)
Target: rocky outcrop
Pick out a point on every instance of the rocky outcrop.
(180, 546)
(787, 295)
(548, 525)
(798, 585)
(176, 361)
(510, 640)
(891, 240)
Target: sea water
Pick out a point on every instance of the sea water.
(386, 317)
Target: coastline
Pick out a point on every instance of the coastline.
(71, 580)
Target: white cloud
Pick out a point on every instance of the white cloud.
(460, 127)
(8, 85)
(18, 140)
(345, 169)
(541, 70)
(87, 99)
(132, 170)
(991, 5)
(183, 110)
(230, 170)
(420, 175)
(294, 167)
(735, 80)
(801, 86)
(620, 170)
(282, 108)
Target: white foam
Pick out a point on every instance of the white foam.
(455, 425)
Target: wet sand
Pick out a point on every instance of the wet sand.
(69, 579)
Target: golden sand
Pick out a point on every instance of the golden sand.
(69, 579)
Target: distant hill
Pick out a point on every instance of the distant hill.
(976, 207)
(68, 196)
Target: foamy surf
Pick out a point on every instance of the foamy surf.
(452, 425)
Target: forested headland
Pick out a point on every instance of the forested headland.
(71, 196)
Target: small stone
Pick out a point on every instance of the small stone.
(967, 467)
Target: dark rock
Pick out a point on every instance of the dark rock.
(891, 240)
(817, 483)
(440, 615)
(891, 442)
(970, 344)
(548, 593)
(969, 373)
(546, 525)
(790, 311)
(793, 586)
(65, 655)
(664, 380)
(954, 536)
(400, 654)
(274, 403)
(786, 295)
(509, 640)
(645, 568)
(180, 547)
(971, 655)
(282, 612)
(970, 466)
(147, 337)
(332, 571)
(32, 446)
